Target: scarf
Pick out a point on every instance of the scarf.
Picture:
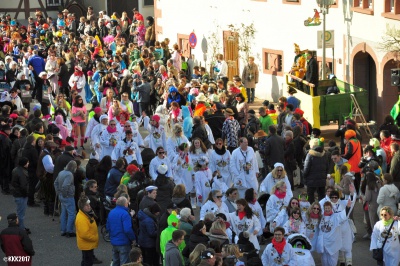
(314, 215)
(78, 73)
(175, 113)
(279, 246)
(241, 215)
(198, 151)
(388, 222)
(254, 201)
(111, 130)
(279, 194)
(294, 224)
(220, 151)
(328, 213)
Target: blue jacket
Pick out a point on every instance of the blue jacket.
(37, 63)
(119, 225)
(148, 229)
(113, 180)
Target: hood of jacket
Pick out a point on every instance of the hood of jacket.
(185, 112)
(317, 153)
(342, 161)
(143, 214)
(393, 190)
(177, 201)
(170, 246)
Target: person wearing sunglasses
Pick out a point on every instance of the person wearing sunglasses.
(214, 204)
(330, 239)
(128, 149)
(391, 255)
(109, 138)
(313, 217)
(160, 159)
(276, 175)
(284, 214)
(278, 200)
(346, 231)
(295, 224)
(219, 161)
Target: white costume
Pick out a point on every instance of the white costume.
(210, 206)
(244, 179)
(303, 254)
(183, 171)
(172, 145)
(203, 184)
(274, 205)
(17, 102)
(258, 212)
(120, 150)
(304, 206)
(155, 163)
(391, 254)
(156, 137)
(219, 184)
(221, 163)
(245, 225)
(312, 230)
(197, 155)
(95, 138)
(108, 141)
(271, 257)
(294, 227)
(330, 238)
(269, 181)
(90, 126)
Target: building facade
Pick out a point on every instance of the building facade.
(358, 27)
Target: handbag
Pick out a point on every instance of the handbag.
(377, 253)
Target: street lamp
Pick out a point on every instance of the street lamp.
(324, 5)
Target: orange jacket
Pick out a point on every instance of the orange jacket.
(352, 153)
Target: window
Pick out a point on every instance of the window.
(53, 3)
(292, 2)
(391, 9)
(273, 62)
(363, 6)
(148, 2)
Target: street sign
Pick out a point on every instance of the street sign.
(329, 39)
(192, 40)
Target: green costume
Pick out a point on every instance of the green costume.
(166, 234)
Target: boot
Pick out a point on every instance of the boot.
(46, 208)
(349, 262)
(341, 259)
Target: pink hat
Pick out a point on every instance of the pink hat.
(156, 118)
(97, 110)
(90, 73)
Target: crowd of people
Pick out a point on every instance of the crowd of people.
(165, 137)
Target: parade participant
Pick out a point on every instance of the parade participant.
(96, 134)
(160, 159)
(203, 179)
(278, 252)
(197, 150)
(330, 238)
(386, 232)
(183, 171)
(313, 218)
(244, 220)
(284, 214)
(127, 148)
(214, 204)
(295, 224)
(279, 199)
(109, 138)
(157, 136)
(244, 167)
(219, 161)
(77, 82)
(251, 197)
(175, 140)
(276, 175)
(79, 114)
(166, 234)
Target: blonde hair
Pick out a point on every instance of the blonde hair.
(310, 209)
(274, 173)
(279, 184)
(232, 250)
(121, 189)
(195, 255)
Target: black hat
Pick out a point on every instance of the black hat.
(12, 217)
(23, 161)
(172, 206)
(69, 148)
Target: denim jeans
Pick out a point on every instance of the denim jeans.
(121, 255)
(68, 214)
(21, 209)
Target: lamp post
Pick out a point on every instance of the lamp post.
(324, 5)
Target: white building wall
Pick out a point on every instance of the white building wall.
(146, 10)
(278, 26)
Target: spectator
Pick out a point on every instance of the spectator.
(148, 233)
(149, 199)
(119, 226)
(388, 194)
(19, 182)
(173, 256)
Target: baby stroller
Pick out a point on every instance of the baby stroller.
(108, 206)
(301, 246)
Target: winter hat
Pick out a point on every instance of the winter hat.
(89, 73)
(349, 134)
(59, 119)
(314, 143)
(97, 110)
(162, 169)
(103, 117)
(173, 219)
(94, 155)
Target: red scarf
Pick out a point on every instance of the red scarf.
(241, 215)
(314, 215)
(328, 213)
(279, 246)
(280, 195)
(254, 201)
(78, 73)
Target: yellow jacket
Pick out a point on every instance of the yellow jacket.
(336, 175)
(87, 235)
